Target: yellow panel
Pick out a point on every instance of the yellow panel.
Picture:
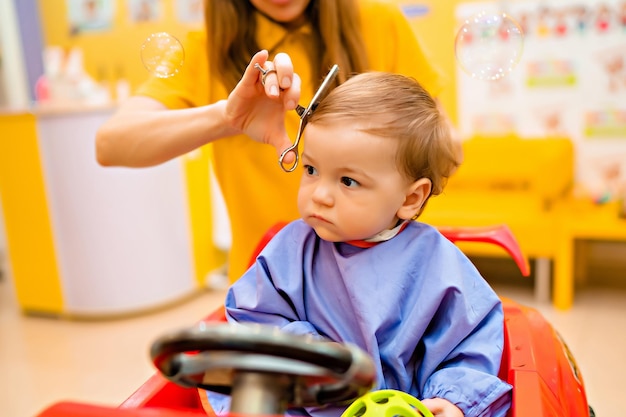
(109, 54)
(28, 228)
(437, 32)
(115, 52)
(207, 257)
(112, 53)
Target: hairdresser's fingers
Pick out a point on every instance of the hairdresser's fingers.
(269, 79)
(242, 106)
(252, 75)
(291, 96)
(281, 142)
(284, 70)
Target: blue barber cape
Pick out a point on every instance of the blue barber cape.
(415, 303)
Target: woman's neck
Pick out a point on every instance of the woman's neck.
(289, 26)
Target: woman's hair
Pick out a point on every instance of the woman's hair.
(231, 30)
(396, 106)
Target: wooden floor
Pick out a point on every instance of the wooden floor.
(45, 360)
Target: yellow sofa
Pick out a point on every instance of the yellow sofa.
(518, 182)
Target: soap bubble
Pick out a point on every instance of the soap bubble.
(489, 45)
(162, 54)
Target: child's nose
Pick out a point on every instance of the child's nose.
(323, 194)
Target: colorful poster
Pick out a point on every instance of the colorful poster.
(570, 81)
(90, 15)
(190, 11)
(141, 11)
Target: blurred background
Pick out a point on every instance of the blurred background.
(95, 262)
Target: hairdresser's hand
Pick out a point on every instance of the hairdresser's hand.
(259, 110)
(442, 408)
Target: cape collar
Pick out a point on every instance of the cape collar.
(383, 236)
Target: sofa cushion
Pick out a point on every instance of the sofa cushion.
(509, 181)
(542, 166)
(523, 211)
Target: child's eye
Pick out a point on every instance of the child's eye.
(349, 182)
(310, 170)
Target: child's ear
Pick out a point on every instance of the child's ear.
(416, 195)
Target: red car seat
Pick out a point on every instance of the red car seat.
(536, 362)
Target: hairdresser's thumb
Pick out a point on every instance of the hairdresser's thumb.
(281, 144)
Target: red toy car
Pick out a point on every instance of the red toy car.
(536, 362)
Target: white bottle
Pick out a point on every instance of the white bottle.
(122, 87)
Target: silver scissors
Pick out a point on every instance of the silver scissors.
(305, 113)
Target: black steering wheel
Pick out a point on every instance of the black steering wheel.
(263, 369)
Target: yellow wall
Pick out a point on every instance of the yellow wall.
(107, 53)
(111, 53)
(437, 31)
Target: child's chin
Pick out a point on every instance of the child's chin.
(324, 234)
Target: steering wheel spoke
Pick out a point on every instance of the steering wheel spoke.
(264, 369)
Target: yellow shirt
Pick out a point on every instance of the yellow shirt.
(258, 193)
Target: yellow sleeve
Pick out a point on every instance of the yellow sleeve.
(392, 45)
(190, 86)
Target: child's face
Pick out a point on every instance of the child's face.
(351, 188)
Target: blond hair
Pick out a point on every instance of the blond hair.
(231, 27)
(396, 106)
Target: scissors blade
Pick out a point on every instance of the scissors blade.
(322, 91)
(305, 113)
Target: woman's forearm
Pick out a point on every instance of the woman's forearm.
(143, 132)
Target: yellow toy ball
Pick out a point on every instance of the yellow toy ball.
(387, 403)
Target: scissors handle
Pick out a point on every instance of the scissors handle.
(293, 148)
(282, 162)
